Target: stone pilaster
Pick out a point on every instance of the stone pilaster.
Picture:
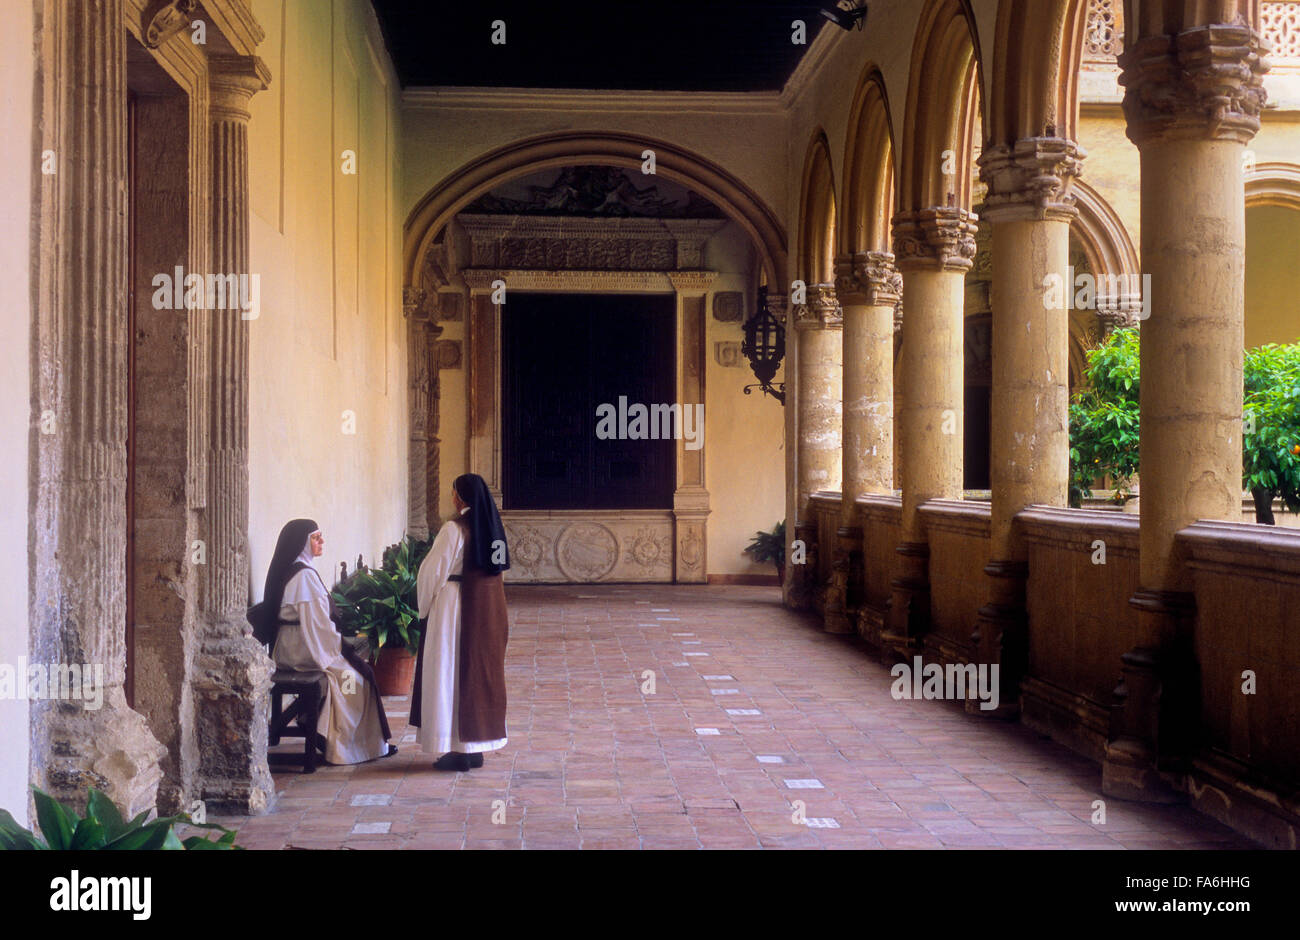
(1030, 208)
(422, 332)
(232, 672)
(935, 247)
(691, 496)
(78, 601)
(870, 289)
(819, 323)
(1192, 101)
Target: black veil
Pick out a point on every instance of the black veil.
(265, 616)
(486, 531)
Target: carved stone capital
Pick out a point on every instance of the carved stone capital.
(1206, 83)
(869, 278)
(692, 282)
(1031, 180)
(821, 312)
(939, 238)
(779, 306)
(232, 82)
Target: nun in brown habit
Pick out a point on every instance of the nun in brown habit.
(459, 699)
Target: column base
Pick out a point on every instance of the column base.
(232, 707)
(803, 585)
(840, 611)
(1001, 635)
(908, 618)
(110, 748)
(1155, 709)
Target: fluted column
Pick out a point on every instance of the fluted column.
(869, 289)
(935, 248)
(1030, 208)
(819, 323)
(1192, 101)
(79, 533)
(233, 673)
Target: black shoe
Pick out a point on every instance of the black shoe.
(476, 760)
(452, 760)
(392, 752)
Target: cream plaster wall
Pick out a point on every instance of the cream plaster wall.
(331, 338)
(1272, 275)
(18, 151)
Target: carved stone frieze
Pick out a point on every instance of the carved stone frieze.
(870, 278)
(1031, 180)
(1205, 82)
(940, 238)
(583, 547)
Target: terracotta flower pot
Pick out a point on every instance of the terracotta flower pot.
(394, 671)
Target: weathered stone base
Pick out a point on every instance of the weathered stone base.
(232, 686)
(110, 749)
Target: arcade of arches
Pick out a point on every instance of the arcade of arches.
(903, 200)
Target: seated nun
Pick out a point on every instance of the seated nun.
(352, 724)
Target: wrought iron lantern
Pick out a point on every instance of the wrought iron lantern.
(764, 347)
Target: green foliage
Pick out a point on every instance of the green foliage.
(1271, 423)
(381, 603)
(104, 828)
(769, 546)
(1104, 418)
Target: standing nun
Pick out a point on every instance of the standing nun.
(459, 701)
(352, 720)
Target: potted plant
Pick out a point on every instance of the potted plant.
(104, 828)
(380, 604)
(770, 546)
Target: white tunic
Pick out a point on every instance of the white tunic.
(349, 715)
(439, 600)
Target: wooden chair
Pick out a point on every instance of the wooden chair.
(309, 689)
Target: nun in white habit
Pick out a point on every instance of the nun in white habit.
(352, 720)
(459, 701)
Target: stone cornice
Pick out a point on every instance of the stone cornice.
(1206, 82)
(480, 279)
(1031, 180)
(939, 238)
(821, 312)
(762, 103)
(868, 278)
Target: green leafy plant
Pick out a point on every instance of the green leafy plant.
(1104, 418)
(381, 603)
(104, 828)
(1271, 428)
(769, 546)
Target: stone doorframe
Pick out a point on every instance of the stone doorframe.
(211, 709)
(690, 497)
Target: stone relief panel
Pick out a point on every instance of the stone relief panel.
(448, 353)
(729, 306)
(586, 547)
(727, 354)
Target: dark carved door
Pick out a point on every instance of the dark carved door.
(563, 356)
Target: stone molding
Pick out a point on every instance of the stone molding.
(1031, 180)
(868, 278)
(940, 238)
(1206, 83)
(233, 80)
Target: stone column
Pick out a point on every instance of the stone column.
(819, 324)
(1030, 209)
(78, 536)
(935, 249)
(869, 288)
(232, 672)
(1192, 101)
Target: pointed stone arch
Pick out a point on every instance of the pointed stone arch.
(1039, 49)
(945, 69)
(868, 190)
(817, 214)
